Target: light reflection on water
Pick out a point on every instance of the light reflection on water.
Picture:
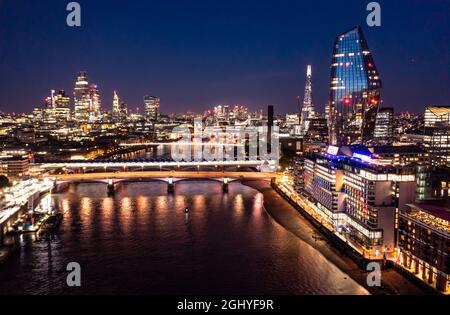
(142, 241)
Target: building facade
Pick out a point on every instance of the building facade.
(437, 134)
(424, 243)
(62, 110)
(384, 126)
(116, 105)
(87, 100)
(307, 111)
(151, 107)
(82, 98)
(357, 195)
(15, 167)
(355, 91)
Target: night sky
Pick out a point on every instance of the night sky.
(195, 54)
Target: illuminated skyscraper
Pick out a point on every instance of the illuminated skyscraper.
(82, 98)
(151, 107)
(437, 133)
(123, 111)
(95, 102)
(62, 110)
(355, 91)
(307, 111)
(116, 105)
(384, 127)
(87, 99)
(50, 106)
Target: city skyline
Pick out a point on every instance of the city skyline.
(225, 149)
(256, 74)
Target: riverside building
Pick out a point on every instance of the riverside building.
(359, 195)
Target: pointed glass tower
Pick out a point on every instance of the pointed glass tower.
(355, 91)
(307, 111)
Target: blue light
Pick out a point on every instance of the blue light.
(362, 157)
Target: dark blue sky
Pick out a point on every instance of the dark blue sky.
(194, 54)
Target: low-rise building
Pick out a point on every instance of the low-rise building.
(16, 166)
(424, 243)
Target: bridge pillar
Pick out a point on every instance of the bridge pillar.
(110, 188)
(170, 186)
(225, 185)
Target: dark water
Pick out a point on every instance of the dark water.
(142, 242)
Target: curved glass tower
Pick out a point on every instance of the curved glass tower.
(355, 90)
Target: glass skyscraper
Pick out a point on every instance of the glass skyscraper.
(384, 127)
(151, 106)
(355, 91)
(437, 134)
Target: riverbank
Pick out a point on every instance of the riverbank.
(288, 217)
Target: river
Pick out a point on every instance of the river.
(141, 241)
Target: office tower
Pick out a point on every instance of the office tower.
(318, 130)
(95, 100)
(38, 115)
(384, 126)
(116, 105)
(82, 98)
(270, 121)
(151, 107)
(123, 111)
(62, 110)
(49, 108)
(87, 99)
(437, 134)
(355, 90)
(307, 110)
(50, 101)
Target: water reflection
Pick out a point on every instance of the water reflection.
(142, 241)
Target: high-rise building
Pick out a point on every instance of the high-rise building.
(270, 122)
(62, 110)
(318, 130)
(307, 111)
(384, 126)
(123, 111)
(437, 134)
(355, 90)
(49, 108)
(87, 99)
(116, 105)
(95, 107)
(82, 98)
(151, 106)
